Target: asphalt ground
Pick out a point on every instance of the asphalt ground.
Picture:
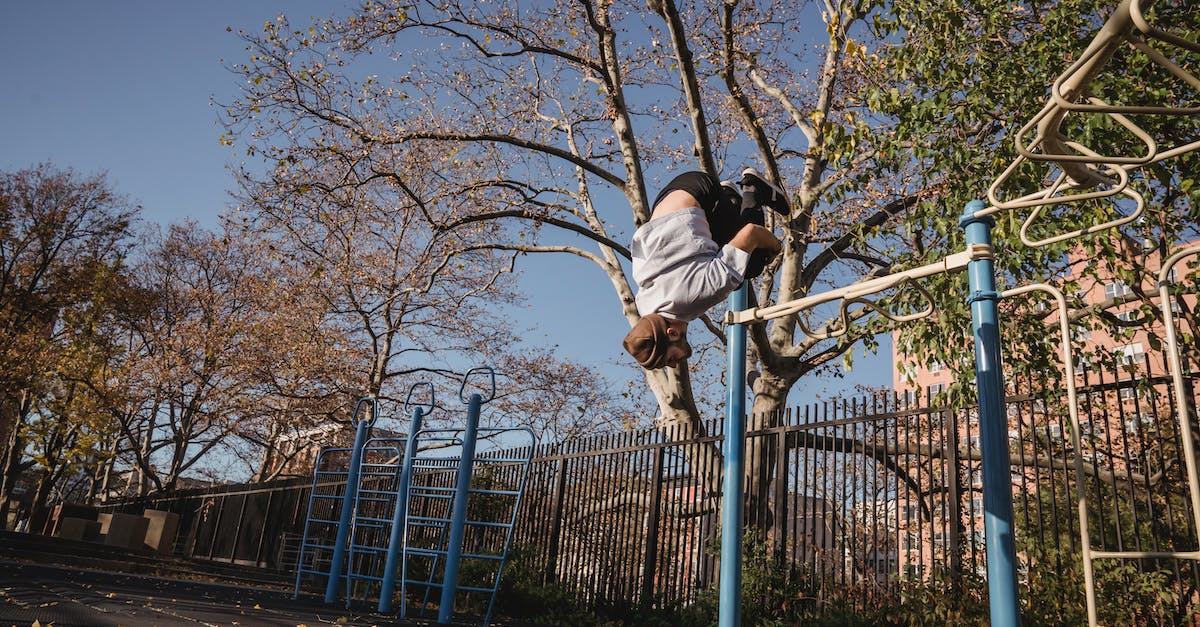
(67, 596)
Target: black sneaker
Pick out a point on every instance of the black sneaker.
(767, 193)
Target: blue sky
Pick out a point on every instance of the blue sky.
(127, 88)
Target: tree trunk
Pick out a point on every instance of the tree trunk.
(770, 398)
(14, 447)
(38, 511)
(681, 418)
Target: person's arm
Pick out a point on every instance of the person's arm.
(752, 237)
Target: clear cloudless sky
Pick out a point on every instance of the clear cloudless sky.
(128, 88)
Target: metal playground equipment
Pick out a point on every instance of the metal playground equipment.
(1076, 173)
(428, 516)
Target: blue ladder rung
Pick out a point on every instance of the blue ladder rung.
(484, 523)
(499, 492)
(369, 549)
(328, 496)
(474, 589)
(371, 519)
(388, 492)
(426, 552)
(375, 499)
(477, 556)
(433, 488)
(331, 472)
(425, 582)
(428, 519)
(323, 521)
(430, 525)
(310, 545)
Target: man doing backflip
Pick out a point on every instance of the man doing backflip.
(703, 239)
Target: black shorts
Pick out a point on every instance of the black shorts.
(722, 207)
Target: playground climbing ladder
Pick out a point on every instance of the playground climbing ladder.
(418, 508)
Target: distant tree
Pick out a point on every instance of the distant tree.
(61, 234)
(182, 389)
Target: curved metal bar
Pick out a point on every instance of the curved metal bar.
(1176, 365)
(1068, 360)
(373, 413)
(1128, 191)
(1027, 150)
(1052, 194)
(463, 388)
(424, 408)
(844, 310)
(1041, 139)
(1139, 20)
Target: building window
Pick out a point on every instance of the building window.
(1116, 290)
(936, 367)
(936, 388)
(1131, 354)
(1127, 393)
(1081, 334)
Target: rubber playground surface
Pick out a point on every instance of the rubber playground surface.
(67, 596)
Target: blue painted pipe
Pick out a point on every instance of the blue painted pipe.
(396, 541)
(458, 520)
(730, 609)
(993, 421)
(343, 532)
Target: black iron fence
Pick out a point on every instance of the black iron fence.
(855, 498)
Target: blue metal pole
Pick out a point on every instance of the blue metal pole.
(734, 470)
(396, 540)
(458, 520)
(997, 483)
(343, 532)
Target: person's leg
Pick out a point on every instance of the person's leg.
(705, 188)
(765, 193)
(757, 192)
